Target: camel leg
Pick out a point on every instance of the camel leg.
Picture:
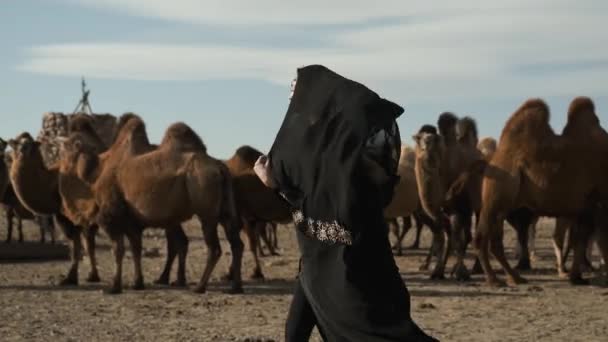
(522, 220)
(170, 236)
(272, 230)
(263, 233)
(461, 227)
(581, 232)
(419, 223)
(214, 252)
(440, 249)
(42, 227)
(602, 244)
(532, 239)
(498, 250)
(72, 233)
(181, 242)
(485, 229)
(9, 224)
(255, 227)
(20, 228)
(135, 240)
(118, 249)
(275, 238)
(407, 225)
(89, 244)
(559, 236)
(232, 230)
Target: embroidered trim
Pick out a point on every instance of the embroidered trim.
(331, 232)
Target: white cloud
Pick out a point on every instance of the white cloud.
(267, 12)
(466, 49)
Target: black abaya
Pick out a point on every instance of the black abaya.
(335, 159)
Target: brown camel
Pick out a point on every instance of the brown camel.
(15, 210)
(38, 189)
(161, 188)
(258, 204)
(549, 174)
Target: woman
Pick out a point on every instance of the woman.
(335, 161)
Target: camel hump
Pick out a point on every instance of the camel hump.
(581, 114)
(530, 121)
(180, 136)
(81, 124)
(447, 126)
(248, 154)
(466, 131)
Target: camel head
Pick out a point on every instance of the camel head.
(25, 147)
(427, 140)
(3, 145)
(79, 154)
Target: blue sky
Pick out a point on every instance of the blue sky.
(224, 67)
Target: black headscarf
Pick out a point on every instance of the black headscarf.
(336, 154)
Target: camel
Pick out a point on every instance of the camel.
(549, 175)
(258, 204)
(4, 177)
(38, 188)
(406, 202)
(14, 209)
(161, 188)
(441, 159)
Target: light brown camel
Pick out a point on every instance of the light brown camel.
(405, 202)
(38, 189)
(258, 204)
(161, 188)
(431, 190)
(551, 175)
(442, 159)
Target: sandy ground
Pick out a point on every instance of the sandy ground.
(33, 308)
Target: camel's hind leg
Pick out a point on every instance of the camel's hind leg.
(72, 233)
(181, 241)
(20, 228)
(581, 233)
(9, 224)
(214, 252)
(522, 221)
(232, 229)
(498, 250)
(170, 236)
(253, 228)
(440, 249)
(89, 244)
(485, 229)
(274, 237)
(118, 249)
(419, 222)
(461, 227)
(135, 240)
(562, 226)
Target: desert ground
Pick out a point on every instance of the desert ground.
(34, 308)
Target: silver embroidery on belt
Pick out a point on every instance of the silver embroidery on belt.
(331, 232)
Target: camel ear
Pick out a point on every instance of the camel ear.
(13, 144)
(3, 144)
(416, 138)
